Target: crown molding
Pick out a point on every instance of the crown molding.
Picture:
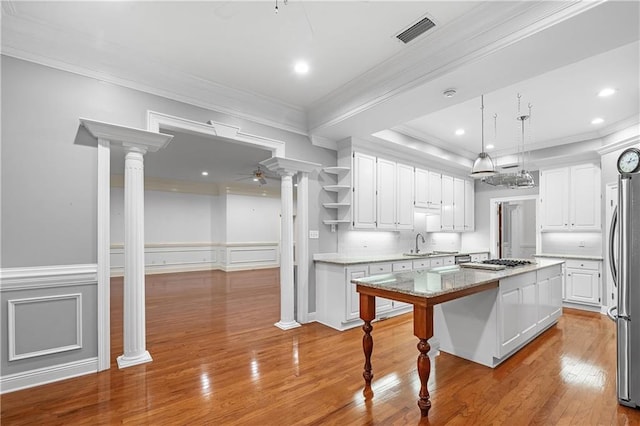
(24, 39)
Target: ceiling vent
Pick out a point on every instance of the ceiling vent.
(417, 29)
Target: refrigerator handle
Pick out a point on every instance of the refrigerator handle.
(612, 261)
(613, 317)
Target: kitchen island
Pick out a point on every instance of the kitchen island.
(483, 316)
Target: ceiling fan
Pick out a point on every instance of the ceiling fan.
(258, 175)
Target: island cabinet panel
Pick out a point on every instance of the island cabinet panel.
(489, 327)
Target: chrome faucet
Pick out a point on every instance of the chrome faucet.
(419, 235)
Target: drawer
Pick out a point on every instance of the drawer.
(449, 260)
(546, 273)
(379, 268)
(436, 261)
(402, 266)
(479, 257)
(593, 265)
(421, 264)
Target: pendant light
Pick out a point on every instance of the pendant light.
(483, 166)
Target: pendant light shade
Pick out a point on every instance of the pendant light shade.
(483, 166)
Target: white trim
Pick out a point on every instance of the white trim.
(104, 262)
(11, 322)
(37, 277)
(493, 220)
(158, 120)
(615, 146)
(42, 376)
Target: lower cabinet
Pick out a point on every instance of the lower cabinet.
(490, 326)
(338, 302)
(583, 282)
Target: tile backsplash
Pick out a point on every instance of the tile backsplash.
(579, 243)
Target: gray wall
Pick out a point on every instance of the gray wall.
(49, 183)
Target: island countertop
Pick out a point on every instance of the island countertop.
(447, 280)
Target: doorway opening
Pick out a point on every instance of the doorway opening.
(514, 227)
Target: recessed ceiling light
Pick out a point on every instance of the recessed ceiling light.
(489, 146)
(597, 121)
(460, 132)
(608, 91)
(205, 173)
(301, 67)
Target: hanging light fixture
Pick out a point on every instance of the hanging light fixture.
(521, 179)
(483, 166)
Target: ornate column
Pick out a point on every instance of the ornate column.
(135, 351)
(286, 168)
(136, 142)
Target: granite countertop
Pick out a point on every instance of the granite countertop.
(342, 259)
(569, 256)
(431, 283)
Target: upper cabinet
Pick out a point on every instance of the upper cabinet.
(570, 198)
(383, 193)
(364, 191)
(469, 206)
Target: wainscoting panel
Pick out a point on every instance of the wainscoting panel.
(51, 330)
(184, 257)
(44, 325)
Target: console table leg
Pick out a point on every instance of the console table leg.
(424, 370)
(367, 346)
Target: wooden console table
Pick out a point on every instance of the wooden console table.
(423, 290)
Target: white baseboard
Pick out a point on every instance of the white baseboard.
(590, 308)
(42, 376)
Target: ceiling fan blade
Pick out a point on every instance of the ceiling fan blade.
(263, 181)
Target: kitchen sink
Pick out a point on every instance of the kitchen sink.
(417, 254)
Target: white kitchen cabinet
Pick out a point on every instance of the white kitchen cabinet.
(338, 302)
(386, 197)
(340, 205)
(434, 195)
(488, 327)
(549, 296)
(352, 304)
(469, 206)
(479, 257)
(583, 281)
(421, 188)
(458, 205)
(584, 206)
(364, 191)
(404, 196)
(570, 198)
(446, 215)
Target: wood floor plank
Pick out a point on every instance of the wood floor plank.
(218, 360)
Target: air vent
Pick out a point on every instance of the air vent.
(511, 166)
(416, 30)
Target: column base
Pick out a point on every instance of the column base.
(124, 362)
(287, 325)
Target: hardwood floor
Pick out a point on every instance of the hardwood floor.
(218, 360)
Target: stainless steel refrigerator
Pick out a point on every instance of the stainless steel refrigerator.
(624, 258)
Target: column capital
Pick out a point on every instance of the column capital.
(289, 166)
(127, 137)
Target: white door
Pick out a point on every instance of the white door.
(364, 191)
(469, 205)
(458, 204)
(434, 196)
(554, 199)
(421, 186)
(386, 203)
(584, 211)
(404, 196)
(582, 286)
(447, 203)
